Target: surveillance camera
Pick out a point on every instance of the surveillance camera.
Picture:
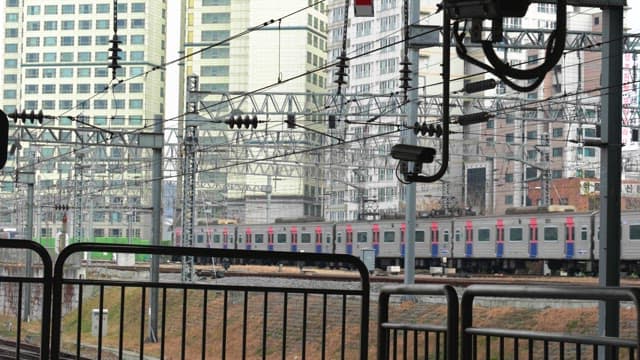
(417, 154)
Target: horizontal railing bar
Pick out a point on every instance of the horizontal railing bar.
(23, 279)
(221, 287)
(553, 292)
(553, 337)
(413, 327)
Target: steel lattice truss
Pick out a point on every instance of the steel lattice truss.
(273, 149)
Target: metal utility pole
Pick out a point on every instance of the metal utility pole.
(77, 206)
(610, 169)
(409, 137)
(156, 226)
(189, 169)
(545, 181)
(28, 177)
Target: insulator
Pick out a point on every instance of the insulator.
(342, 69)
(247, 121)
(254, 121)
(405, 74)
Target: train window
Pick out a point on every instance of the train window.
(339, 239)
(305, 238)
(258, 238)
(515, 234)
(484, 235)
(419, 236)
(389, 236)
(634, 232)
(282, 238)
(216, 238)
(362, 236)
(239, 239)
(584, 233)
(200, 238)
(550, 233)
(445, 236)
(328, 239)
(458, 235)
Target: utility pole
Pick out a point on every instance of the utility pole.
(28, 177)
(77, 207)
(411, 138)
(545, 181)
(189, 169)
(610, 171)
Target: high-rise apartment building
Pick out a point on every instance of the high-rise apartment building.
(56, 59)
(236, 48)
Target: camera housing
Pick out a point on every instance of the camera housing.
(417, 154)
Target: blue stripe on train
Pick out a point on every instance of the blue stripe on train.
(468, 249)
(500, 249)
(570, 250)
(533, 250)
(349, 249)
(434, 250)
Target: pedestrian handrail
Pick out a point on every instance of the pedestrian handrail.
(420, 340)
(529, 339)
(18, 303)
(304, 321)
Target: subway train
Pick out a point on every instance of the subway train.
(542, 241)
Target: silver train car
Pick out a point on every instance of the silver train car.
(533, 243)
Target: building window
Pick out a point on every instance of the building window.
(33, 41)
(32, 73)
(99, 104)
(556, 174)
(83, 88)
(66, 41)
(102, 24)
(85, 8)
(10, 63)
(49, 57)
(32, 57)
(9, 94)
(136, 56)
(216, 18)
(557, 152)
(67, 25)
(84, 40)
(85, 25)
(557, 132)
(11, 33)
(135, 120)
(51, 9)
(84, 72)
(137, 39)
(508, 178)
(508, 200)
(66, 88)
(137, 7)
(68, 9)
(50, 25)
(136, 88)
(215, 36)
(137, 23)
(508, 138)
(66, 73)
(134, 103)
(33, 10)
(84, 56)
(31, 89)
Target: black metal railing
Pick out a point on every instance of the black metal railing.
(415, 340)
(246, 318)
(498, 343)
(23, 294)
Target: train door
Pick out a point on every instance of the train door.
(376, 238)
(270, 238)
(533, 238)
(247, 239)
(435, 244)
(499, 238)
(318, 239)
(468, 242)
(294, 238)
(403, 241)
(349, 239)
(570, 234)
(225, 238)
